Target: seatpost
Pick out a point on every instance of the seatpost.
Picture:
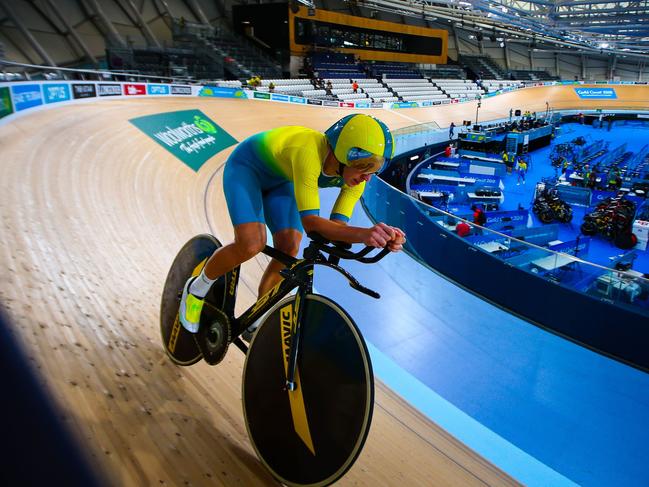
(305, 288)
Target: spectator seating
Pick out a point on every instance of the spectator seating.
(335, 66)
(229, 84)
(381, 69)
(458, 88)
(415, 89)
(318, 94)
(287, 86)
(529, 75)
(444, 72)
(375, 90)
(491, 85)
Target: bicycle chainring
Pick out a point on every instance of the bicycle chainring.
(214, 335)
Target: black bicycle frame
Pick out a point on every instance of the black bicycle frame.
(299, 273)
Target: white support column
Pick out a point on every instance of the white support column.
(612, 66)
(456, 38)
(72, 32)
(196, 8)
(110, 28)
(641, 65)
(143, 26)
(530, 52)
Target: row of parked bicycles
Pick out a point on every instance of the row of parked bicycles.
(548, 206)
(612, 218)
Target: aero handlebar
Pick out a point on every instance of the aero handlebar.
(341, 250)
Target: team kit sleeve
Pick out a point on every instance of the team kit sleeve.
(344, 205)
(306, 167)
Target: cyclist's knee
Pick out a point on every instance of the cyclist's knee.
(249, 240)
(248, 248)
(288, 241)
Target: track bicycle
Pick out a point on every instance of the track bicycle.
(308, 387)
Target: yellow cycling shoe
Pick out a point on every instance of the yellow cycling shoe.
(190, 309)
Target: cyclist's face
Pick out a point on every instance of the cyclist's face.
(353, 176)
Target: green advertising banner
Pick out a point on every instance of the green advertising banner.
(6, 108)
(189, 135)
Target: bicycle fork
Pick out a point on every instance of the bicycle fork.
(304, 288)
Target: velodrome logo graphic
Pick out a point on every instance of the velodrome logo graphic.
(189, 135)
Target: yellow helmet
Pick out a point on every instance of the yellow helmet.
(361, 140)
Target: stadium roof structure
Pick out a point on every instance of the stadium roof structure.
(620, 27)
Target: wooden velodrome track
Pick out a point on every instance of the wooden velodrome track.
(92, 214)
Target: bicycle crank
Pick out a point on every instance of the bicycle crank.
(214, 335)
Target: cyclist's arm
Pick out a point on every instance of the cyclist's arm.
(346, 201)
(379, 235)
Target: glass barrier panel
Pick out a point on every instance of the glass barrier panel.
(419, 220)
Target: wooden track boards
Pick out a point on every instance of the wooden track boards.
(92, 214)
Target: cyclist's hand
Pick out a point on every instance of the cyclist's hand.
(378, 236)
(396, 244)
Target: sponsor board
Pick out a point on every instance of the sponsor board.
(84, 90)
(26, 96)
(6, 107)
(362, 104)
(298, 99)
(596, 93)
(157, 89)
(189, 135)
(328, 103)
(405, 104)
(446, 102)
(222, 92)
(426, 103)
(134, 89)
(181, 90)
(260, 95)
(346, 104)
(109, 89)
(376, 105)
(455, 100)
(313, 102)
(56, 92)
(437, 102)
(278, 97)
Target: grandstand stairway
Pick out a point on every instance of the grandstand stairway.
(485, 65)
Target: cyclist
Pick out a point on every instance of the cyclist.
(272, 178)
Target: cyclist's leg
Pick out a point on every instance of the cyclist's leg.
(244, 197)
(283, 219)
(243, 194)
(249, 240)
